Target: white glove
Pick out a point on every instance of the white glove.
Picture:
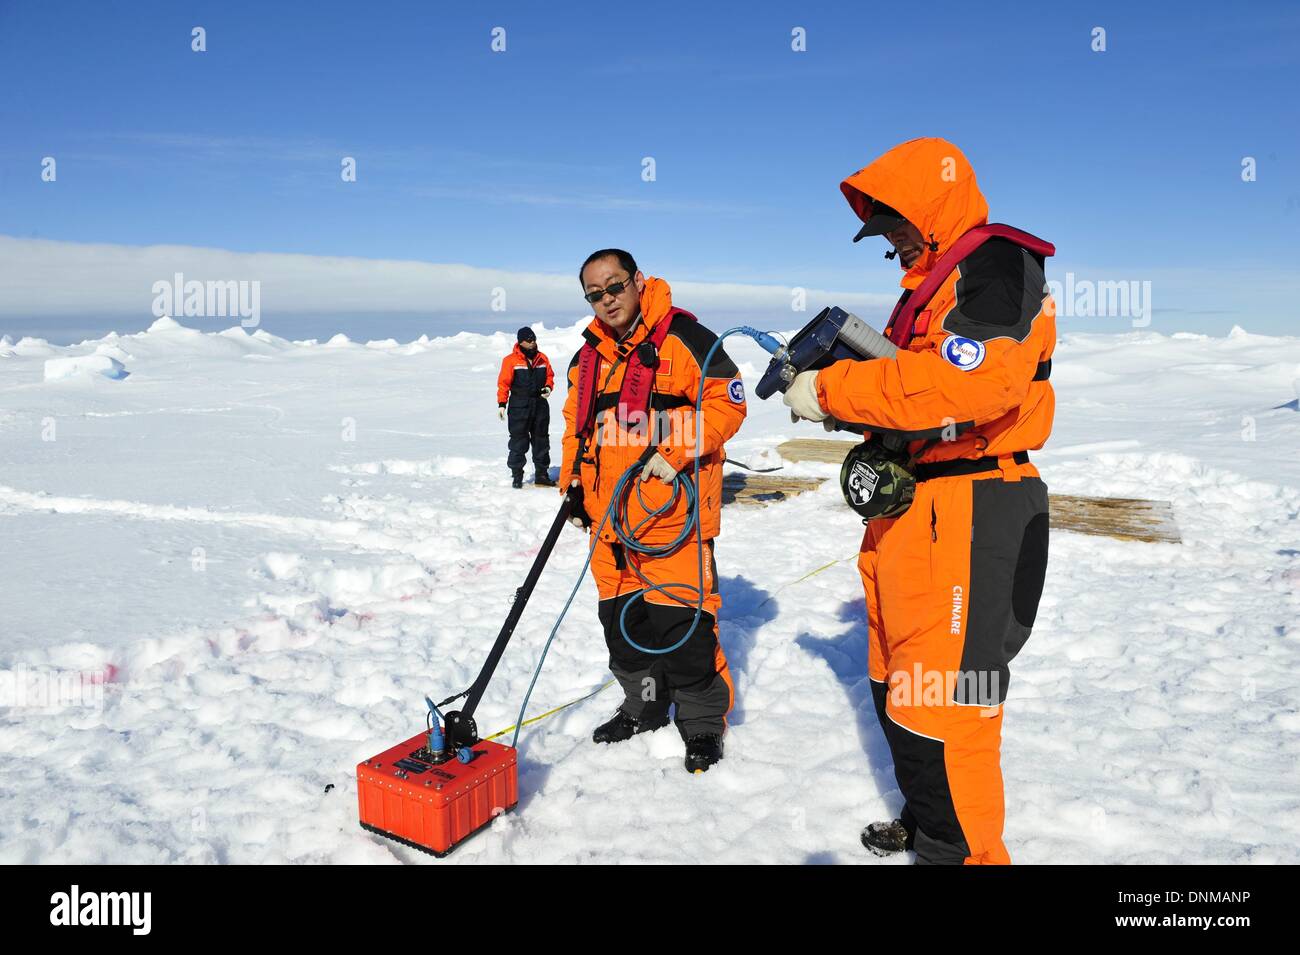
(659, 467)
(801, 398)
(501, 414)
(546, 392)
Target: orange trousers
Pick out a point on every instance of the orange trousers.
(952, 589)
(694, 677)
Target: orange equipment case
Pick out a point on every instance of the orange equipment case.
(434, 807)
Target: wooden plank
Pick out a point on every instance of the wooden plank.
(763, 488)
(1123, 518)
(824, 450)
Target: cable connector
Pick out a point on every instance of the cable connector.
(770, 343)
(436, 744)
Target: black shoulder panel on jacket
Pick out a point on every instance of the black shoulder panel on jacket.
(999, 292)
(699, 340)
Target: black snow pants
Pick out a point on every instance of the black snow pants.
(529, 420)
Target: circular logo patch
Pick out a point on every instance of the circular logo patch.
(965, 353)
(736, 391)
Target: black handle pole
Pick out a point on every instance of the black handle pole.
(517, 608)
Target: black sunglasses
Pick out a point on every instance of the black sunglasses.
(616, 290)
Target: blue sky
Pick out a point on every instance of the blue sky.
(1129, 160)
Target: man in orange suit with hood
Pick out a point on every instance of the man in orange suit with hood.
(953, 583)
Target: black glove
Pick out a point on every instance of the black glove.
(578, 515)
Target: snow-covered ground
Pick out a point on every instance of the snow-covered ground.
(234, 565)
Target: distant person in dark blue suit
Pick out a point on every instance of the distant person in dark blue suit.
(523, 386)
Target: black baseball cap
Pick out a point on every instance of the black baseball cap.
(882, 219)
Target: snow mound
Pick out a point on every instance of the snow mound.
(28, 347)
(282, 566)
(113, 351)
(262, 335)
(57, 369)
(166, 324)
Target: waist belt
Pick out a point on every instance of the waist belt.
(959, 466)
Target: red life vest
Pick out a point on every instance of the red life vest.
(902, 321)
(638, 379)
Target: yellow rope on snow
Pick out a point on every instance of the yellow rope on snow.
(563, 706)
(811, 573)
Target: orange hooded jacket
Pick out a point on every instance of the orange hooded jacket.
(977, 393)
(613, 448)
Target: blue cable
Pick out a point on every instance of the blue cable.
(627, 537)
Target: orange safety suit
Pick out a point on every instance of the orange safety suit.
(695, 676)
(953, 584)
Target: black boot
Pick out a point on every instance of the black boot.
(543, 479)
(887, 838)
(621, 726)
(518, 479)
(702, 751)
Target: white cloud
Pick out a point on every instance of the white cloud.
(49, 277)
